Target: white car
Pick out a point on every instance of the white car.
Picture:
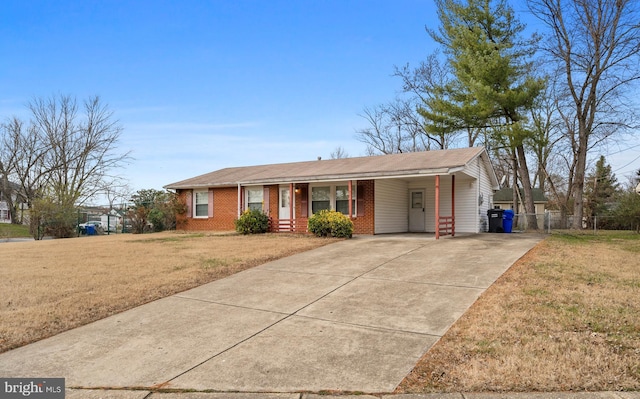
(96, 225)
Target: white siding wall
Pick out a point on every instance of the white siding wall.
(483, 193)
(391, 206)
(473, 186)
(465, 197)
(466, 204)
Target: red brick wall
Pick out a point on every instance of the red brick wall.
(361, 224)
(273, 201)
(225, 211)
(365, 224)
(299, 188)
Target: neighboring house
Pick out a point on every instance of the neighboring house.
(112, 220)
(434, 191)
(503, 199)
(5, 215)
(5, 212)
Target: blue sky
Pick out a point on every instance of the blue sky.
(203, 85)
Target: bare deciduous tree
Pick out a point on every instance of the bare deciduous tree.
(595, 45)
(64, 154)
(116, 190)
(393, 128)
(339, 153)
(424, 83)
(23, 156)
(81, 149)
(379, 136)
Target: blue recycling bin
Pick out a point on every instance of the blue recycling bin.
(91, 230)
(507, 220)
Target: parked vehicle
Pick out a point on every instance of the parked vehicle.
(90, 228)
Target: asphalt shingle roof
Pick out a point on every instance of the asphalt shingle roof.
(415, 163)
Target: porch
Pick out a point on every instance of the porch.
(288, 225)
(358, 200)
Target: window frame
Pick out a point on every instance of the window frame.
(329, 200)
(354, 197)
(333, 188)
(247, 204)
(205, 194)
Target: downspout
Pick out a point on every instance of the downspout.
(437, 207)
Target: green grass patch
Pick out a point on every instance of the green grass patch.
(14, 230)
(214, 263)
(625, 240)
(173, 238)
(537, 292)
(486, 347)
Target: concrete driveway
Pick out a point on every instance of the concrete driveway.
(354, 316)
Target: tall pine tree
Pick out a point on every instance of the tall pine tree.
(493, 85)
(600, 192)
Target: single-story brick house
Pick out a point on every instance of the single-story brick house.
(441, 192)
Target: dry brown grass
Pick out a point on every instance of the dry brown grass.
(565, 317)
(51, 286)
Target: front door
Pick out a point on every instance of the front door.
(284, 206)
(416, 211)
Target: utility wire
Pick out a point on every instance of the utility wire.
(632, 161)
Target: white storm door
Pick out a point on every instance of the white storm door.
(416, 210)
(284, 205)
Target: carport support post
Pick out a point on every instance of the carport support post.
(453, 205)
(239, 200)
(437, 207)
(350, 185)
(291, 188)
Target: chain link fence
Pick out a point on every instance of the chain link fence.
(554, 220)
(104, 219)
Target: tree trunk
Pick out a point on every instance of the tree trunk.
(514, 185)
(578, 180)
(529, 206)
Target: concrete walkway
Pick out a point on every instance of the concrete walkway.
(352, 316)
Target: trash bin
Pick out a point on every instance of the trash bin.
(507, 220)
(495, 220)
(91, 230)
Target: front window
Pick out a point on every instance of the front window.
(342, 200)
(254, 199)
(320, 198)
(201, 204)
(333, 198)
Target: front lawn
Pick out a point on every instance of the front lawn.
(54, 285)
(8, 230)
(564, 317)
